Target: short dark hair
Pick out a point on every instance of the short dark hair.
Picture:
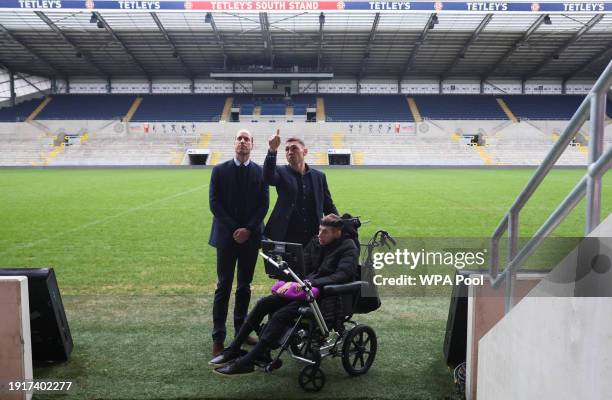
(332, 220)
(296, 139)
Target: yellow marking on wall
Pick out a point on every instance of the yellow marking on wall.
(320, 158)
(38, 109)
(84, 137)
(455, 137)
(506, 110)
(554, 136)
(203, 140)
(133, 108)
(414, 109)
(214, 158)
(583, 149)
(56, 150)
(257, 111)
(227, 109)
(289, 111)
(320, 109)
(358, 158)
(484, 156)
(177, 158)
(337, 140)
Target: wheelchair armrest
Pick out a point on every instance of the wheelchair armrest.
(343, 288)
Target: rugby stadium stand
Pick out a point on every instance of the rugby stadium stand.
(458, 106)
(179, 107)
(347, 107)
(19, 112)
(86, 106)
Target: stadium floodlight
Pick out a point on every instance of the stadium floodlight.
(208, 18)
(547, 20)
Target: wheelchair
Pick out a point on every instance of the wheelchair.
(325, 327)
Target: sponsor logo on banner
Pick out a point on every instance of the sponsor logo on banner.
(583, 6)
(390, 5)
(487, 6)
(265, 5)
(139, 5)
(45, 4)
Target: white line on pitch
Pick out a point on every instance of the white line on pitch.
(101, 220)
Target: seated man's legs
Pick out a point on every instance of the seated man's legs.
(269, 338)
(264, 306)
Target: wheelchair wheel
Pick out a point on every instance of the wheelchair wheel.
(359, 350)
(312, 378)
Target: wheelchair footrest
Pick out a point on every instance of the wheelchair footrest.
(274, 365)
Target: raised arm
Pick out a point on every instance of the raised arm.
(271, 176)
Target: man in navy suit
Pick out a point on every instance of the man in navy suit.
(239, 203)
(303, 195)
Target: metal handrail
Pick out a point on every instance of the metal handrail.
(594, 106)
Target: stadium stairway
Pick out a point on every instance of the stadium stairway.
(38, 109)
(227, 109)
(564, 322)
(337, 140)
(506, 110)
(133, 108)
(320, 110)
(414, 109)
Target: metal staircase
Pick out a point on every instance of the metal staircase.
(593, 107)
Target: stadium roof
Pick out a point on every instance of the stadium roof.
(365, 44)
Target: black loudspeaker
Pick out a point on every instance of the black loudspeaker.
(455, 341)
(51, 339)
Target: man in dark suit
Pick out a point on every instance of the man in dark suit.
(239, 203)
(303, 195)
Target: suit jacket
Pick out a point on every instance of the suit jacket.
(333, 264)
(224, 203)
(286, 187)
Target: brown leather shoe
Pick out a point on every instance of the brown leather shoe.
(251, 340)
(217, 348)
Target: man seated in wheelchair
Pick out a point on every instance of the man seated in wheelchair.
(330, 258)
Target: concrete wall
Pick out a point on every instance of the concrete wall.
(554, 344)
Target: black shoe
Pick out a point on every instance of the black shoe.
(235, 368)
(226, 356)
(263, 359)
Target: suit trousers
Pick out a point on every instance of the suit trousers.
(242, 258)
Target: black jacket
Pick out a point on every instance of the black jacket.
(335, 263)
(224, 203)
(282, 178)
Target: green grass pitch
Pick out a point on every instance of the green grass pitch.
(129, 247)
